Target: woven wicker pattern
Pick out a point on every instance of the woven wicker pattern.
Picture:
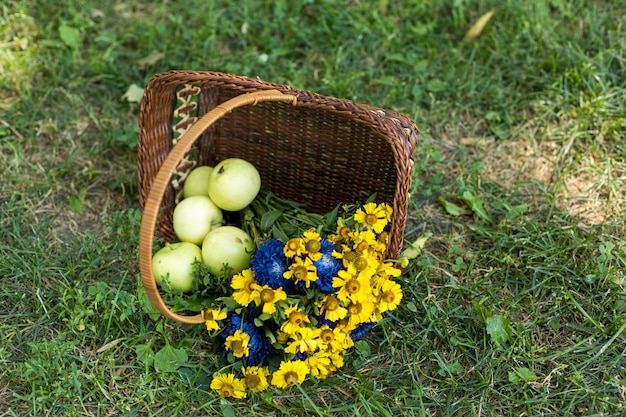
(317, 150)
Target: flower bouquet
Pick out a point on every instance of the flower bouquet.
(315, 285)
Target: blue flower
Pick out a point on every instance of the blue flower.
(259, 346)
(360, 330)
(269, 263)
(327, 267)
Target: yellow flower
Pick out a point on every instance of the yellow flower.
(246, 288)
(269, 297)
(343, 233)
(304, 340)
(384, 272)
(331, 339)
(373, 216)
(255, 378)
(227, 385)
(365, 262)
(302, 270)
(319, 364)
(282, 337)
(211, 317)
(352, 285)
(387, 209)
(294, 247)
(360, 312)
(364, 240)
(390, 296)
(381, 242)
(238, 343)
(343, 332)
(337, 359)
(331, 308)
(312, 245)
(290, 373)
(347, 255)
(295, 320)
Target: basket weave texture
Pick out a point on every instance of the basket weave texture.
(320, 151)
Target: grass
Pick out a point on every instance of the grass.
(516, 304)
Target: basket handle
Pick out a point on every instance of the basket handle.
(162, 179)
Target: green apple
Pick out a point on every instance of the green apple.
(197, 182)
(227, 245)
(194, 217)
(174, 262)
(233, 184)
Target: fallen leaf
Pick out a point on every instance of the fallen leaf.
(134, 94)
(415, 248)
(150, 59)
(109, 345)
(478, 27)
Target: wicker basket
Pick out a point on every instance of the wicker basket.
(317, 150)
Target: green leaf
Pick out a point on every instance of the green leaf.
(499, 329)
(168, 359)
(226, 408)
(70, 36)
(515, 212)
(513, 377)
(476, 204)
(363, 348)
(331, 218)
(146, 305)
(145, 354)
(482, 312)
(268, 219)
(411, 307)
(452, 208)
(526, 374)
(435, 85)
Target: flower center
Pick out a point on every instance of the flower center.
(331, 304)
(291, 377)
(350, 256)
(344, 232)
(296, 318)
(361, 263)
(382, 238)
(293, 244)
(252, 381)
(228, 390)
(267, 295)
(328, 336)
(250, 286)
(362, 246)
(370, 219)
(353, 286)
(355, 308)
(389, 297)
(300, 272)
(312, 246)
(237, 346)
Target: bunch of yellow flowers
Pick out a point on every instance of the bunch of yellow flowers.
(301, 305)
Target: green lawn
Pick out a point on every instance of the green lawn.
(516, 304)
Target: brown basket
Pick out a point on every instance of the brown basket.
(317, 150)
